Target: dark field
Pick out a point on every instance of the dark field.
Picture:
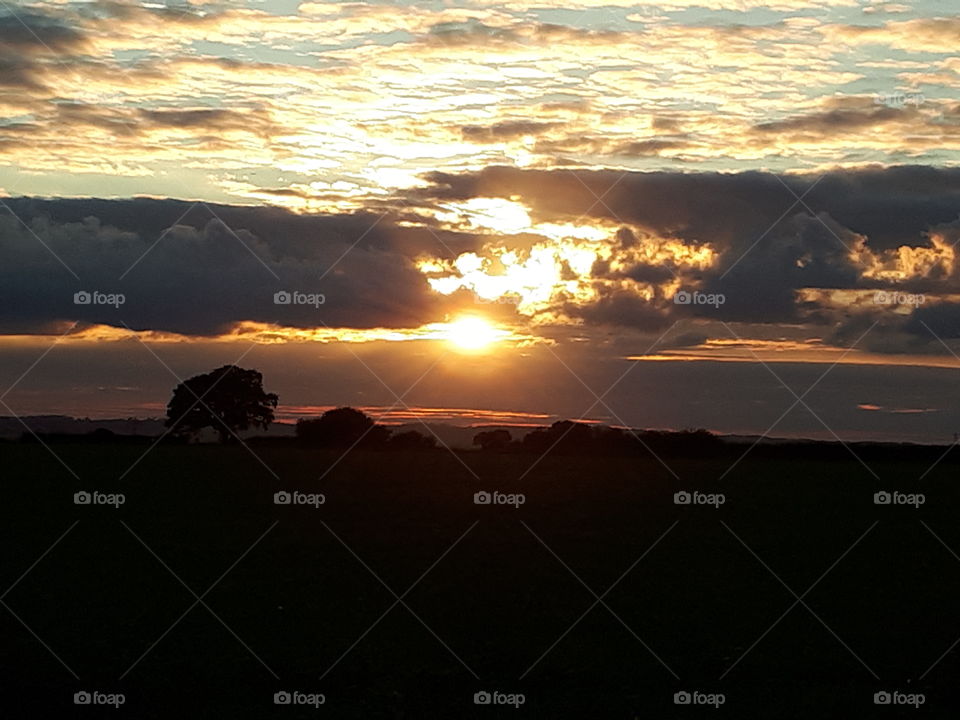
(491, 604)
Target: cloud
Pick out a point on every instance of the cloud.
(507, 130)
(542, 239)
(335, 93)
(940, 321)
(200, 270)
(761, 241)
(31, 33)
(644, 148)
(834, 121)
(18, 74)
(30, 42)
(891, 206)
(934, 35)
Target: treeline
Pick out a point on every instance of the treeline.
(576, 438)
(347, 427)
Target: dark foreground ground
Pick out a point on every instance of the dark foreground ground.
(702, 599)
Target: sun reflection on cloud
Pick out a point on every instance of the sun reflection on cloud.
(574, 265)
(497, 214)
(531, 277)
(510, 217)
(908, 262)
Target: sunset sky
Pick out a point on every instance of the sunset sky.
(500, 203)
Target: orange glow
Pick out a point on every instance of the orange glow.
(473, 333)
(463, 417)
(469, 332)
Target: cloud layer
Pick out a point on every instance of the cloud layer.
(587, 249)
(331, 103)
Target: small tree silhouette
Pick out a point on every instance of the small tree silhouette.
(564, 436)
(493, 440)
(228, 399)
(341, 427)
(412, 440)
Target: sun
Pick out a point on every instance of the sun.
(472, 333)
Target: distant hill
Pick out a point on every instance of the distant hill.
(13, 428)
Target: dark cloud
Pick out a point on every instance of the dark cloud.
(647, 273)
(936, 321)
(506, 130)
(470, 32)
(28, 42)
(17, 73)
(685, 340)
(627, 238)
(882, 333)
(667, 124)
(891, 206)
(840, 120)
(208, 119)
(201, 277)
(617, 306)
(760, 284)
(206, 122)
(199, 269)
(27, 32)
(646, 148)
(770, 245)
(474, 32)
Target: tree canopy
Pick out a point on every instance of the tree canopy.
(493, 439)
(341, 427)
(229, 399)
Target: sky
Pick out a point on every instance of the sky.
(730, 214)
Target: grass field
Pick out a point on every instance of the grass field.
(503, 588)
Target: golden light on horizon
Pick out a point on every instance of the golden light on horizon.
(472, 332)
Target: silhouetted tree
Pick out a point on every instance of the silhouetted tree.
(341, 427)
(228, 399)
(493, 440)
(563, 436)
(101, 435)
(412, 440)
(614, 441)
(566, 437)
